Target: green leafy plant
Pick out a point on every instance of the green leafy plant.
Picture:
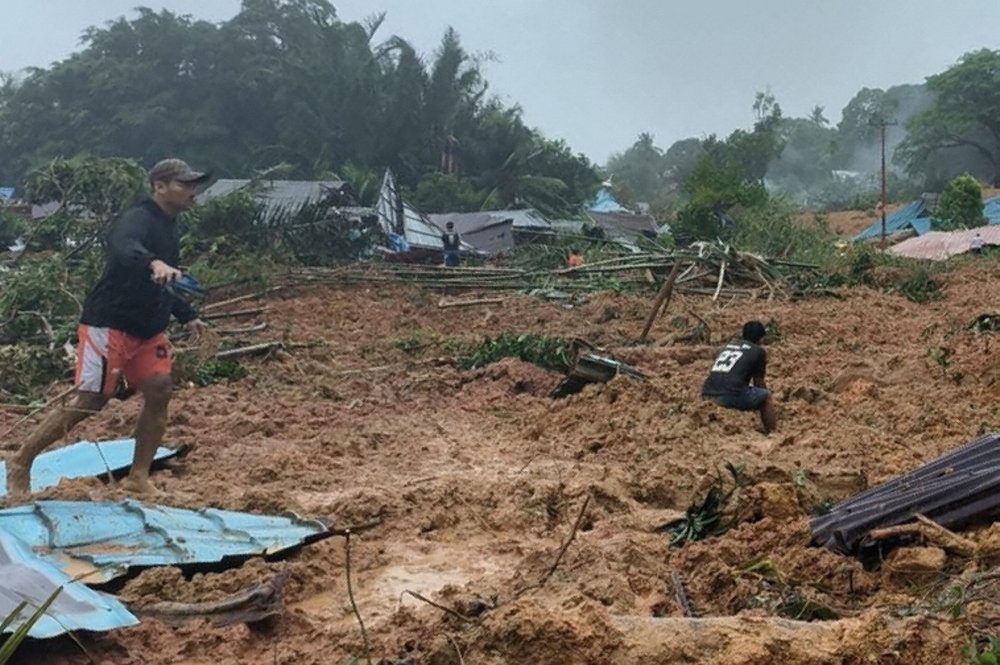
(709, 515)
(975, 653)
(548, 352)
(920, 286)
(942, 356)
(216, 370)
(13, 641)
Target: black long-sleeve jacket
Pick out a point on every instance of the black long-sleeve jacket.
(125, 297)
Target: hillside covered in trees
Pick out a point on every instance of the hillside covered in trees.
(287, 87)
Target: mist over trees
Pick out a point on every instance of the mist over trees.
(287, 83)
(933, 133)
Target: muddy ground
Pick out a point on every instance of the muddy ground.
(479, 477)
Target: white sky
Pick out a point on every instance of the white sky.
(598, 72)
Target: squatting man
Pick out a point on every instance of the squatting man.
(738, 363)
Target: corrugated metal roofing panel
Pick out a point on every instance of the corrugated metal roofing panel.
(81, 459)
(279, 195)
(27, 576)
(939, 245)
(898, 220)
(114, 537)
(959, 486)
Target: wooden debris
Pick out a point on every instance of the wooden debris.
(253, 604)
(465, 303)
(235, 313)
(242, 331)
(710, 268)
(681, 594)
(263, 347)
(931, 531)
(662, 299)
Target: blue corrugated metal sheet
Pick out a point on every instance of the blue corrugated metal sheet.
(114, 537)
(914, 215)
(991, 210)
(26, 576)
(81, 459)
(604, 201)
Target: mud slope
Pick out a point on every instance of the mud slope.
(479, 477)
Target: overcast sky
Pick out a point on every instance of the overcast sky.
(598, 72)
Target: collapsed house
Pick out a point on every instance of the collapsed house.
(412, 236)
(909, 229)
(496, 231)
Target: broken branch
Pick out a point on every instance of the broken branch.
(438, 605)
(562, 550)
(234, 313)
(465, 303)
(930, 531)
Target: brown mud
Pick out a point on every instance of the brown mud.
(479, 476)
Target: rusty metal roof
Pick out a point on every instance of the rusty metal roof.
(957, 488)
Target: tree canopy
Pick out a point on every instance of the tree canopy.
(285, 82)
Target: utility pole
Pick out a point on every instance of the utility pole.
(882, 124)
(881, 131)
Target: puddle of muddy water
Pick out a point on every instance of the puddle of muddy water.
(379, 592)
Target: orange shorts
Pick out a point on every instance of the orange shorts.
(104, 354)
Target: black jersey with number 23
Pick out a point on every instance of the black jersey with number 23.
(733, 368)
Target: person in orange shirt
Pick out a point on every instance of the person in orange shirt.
(575, 258)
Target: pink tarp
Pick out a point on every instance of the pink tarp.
(939, 245)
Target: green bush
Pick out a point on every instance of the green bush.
(549, 352)
(960, 205)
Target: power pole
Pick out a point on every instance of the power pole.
(882, 124)
(881, 131)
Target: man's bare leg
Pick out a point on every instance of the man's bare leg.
(53, 427)
(768, 415)
(149, 429)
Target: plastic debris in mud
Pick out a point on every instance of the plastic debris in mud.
(590, 367)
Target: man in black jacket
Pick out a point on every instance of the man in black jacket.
(738, 363)
(122, 326)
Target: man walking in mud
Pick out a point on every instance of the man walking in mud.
(738, 363)
(121, 331)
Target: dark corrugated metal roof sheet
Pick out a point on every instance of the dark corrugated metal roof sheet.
(81, 459)
(959, 487)
(26, 576)
(105, 539)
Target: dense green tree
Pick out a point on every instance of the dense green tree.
(680, 159)
(964, 115)
(640, 169)
(960, 205)
(284, 82)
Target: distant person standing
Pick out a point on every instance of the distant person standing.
(575, 259)
(738, 363)
(452, 243)
(976, 246)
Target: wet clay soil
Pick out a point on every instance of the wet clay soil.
(479, 476)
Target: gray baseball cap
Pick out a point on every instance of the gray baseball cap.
(176, 169)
